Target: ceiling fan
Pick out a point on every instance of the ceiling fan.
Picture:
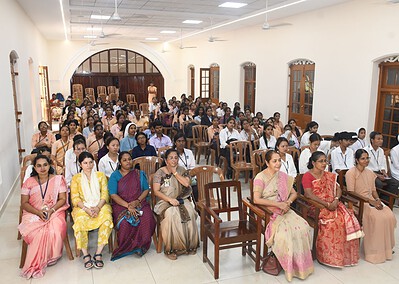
(181, 42)
(115, 16)
(266, 26)
(212, 38)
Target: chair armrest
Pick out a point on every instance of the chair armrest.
(310, 201)
(255, 208)
(212, 213)
(390, 194)
(357, 196)
(263, 208)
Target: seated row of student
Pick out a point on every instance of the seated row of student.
(311, 128)
(343, 157)
(159, 140)
(378, 164)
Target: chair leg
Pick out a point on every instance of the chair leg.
(199, 152)
(204, 249)
(68, 248)
(216, 261)
(23, 254)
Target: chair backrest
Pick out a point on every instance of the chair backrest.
(101, 90)
(295, 153)
(89, 91)
(239, 151)
(77, 88)
(256, 144)
(222, 192)
(341, 179)
(205, 175)
(148, 164)
(130, 98)
(91, 97)
(387, 154)
(113, 96)
(103, 97)
(28, 160)
(299, 186)
(78, 97)
(162, 151)
(144, 109)
(111, 89)
(200, 133)
(258, 160)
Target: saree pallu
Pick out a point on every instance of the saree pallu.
(337, 242)
(44, 238)
(287, 234)
(178, 226)
(136, 237)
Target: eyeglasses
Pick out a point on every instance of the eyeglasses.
(322, 161)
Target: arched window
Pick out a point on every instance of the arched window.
(387, 119)
(129, 72)
(301, 91)
(249, 84)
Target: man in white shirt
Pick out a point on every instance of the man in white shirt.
(342, 157)
(378, 163)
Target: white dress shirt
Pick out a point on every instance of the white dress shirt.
(305, 139)
(271, 143)
(288, 166)
(107, 166)
(395, 162)
(377, 159)
(304, 160)
(225, 135)
(187, 160)
(341, 161)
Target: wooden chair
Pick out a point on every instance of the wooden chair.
(295, 153)
(148, 164)
(258, 160)
(157, 236)
(89, 93)
(77, 89)
(144, 108)
(189, 140)
(131, 100)
(78, 97)
(228, 234)
(309, 210)
(201, 142)
(111, 90)
(239, 150)
(162, 150)
(101, 90)
(256, 144)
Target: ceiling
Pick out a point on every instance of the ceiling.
(141, 19)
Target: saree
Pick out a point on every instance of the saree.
(58, 151)
(287, 234)
(178, 223)
(44, 238)
(337, 242)
(133, 235)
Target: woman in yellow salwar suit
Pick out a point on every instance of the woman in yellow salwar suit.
(91, 210)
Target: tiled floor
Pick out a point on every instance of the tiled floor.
(156, 268)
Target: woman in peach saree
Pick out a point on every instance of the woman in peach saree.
(43, 226)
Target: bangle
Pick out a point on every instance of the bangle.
(328, 204)
(378, 199)
(175, 173)
(336, 197)
(138, 200)
(53, 209)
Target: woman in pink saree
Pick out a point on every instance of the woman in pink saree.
(43, 225)
(288, 234)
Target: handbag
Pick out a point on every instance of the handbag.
(271, 265)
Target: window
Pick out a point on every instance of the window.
(214, 81)
(387, 120)
(204, 82)
(249, 85)
(117, 61)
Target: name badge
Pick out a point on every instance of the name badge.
(166, 182)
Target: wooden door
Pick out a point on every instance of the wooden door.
(250, 85)
(192, 81)
(387, 120)
(214, 82)
(301, 93)
(204, 83)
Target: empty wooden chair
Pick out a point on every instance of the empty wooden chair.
(144, 109)
(101, 90)
(239, 151)
(89, 93)
(201, 142)
(131, 100)
(103, 97)
(258, 160)
(77, 88)
(111, 90)
(241, 232)
(113, 97)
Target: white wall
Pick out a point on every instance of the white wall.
(18, 34)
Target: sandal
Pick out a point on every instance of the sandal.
(171, 256)
(88, 264)
(98, 263)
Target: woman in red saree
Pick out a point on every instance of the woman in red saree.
(43, 225)
(286, 233)
(133, 218)
(337, 242)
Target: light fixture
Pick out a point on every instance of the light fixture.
(168, 32)
(234, 5)
(90, 36)
(100, 17)
(151, 38)
(115, 15)
(193, 22)
(63, 20)
(93, 29)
